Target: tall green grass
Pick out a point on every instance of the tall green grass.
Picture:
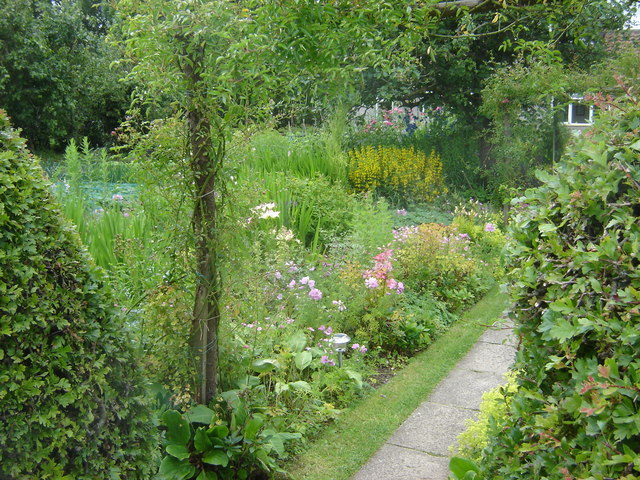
(303, 155)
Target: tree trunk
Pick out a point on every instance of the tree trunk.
(205, 161)
(206, 311)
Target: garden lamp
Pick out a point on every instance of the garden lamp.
(339, 342)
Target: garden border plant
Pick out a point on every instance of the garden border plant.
(347, 444)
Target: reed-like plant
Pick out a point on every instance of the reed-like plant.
(302, 155)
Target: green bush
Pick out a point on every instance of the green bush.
(234, 441)
(70, 392)
(494, 408)
(576, 288)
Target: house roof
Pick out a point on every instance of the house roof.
(623, 38)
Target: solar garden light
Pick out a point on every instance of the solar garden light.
(339, 342)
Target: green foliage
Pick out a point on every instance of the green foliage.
(493, 410)
(70, 390)
(232, 441)
(304, 155)
(56, 78)
(314, 208)
(400, 174)
(463, 469)
(439, 130)
(523, 102)
(575, 288)
(433, 260)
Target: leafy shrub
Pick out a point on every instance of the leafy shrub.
(70, 392)
(315, 209)
(455, 141)
(164, 330)
(493, 410)
(436, 259)
(304, 156)
(400, 174)
(575, 284)
(234, 441)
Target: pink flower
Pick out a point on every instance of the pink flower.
(355, 346)
(321, 328)
(304, 280)
(363, 349)
(400, 287)
(311, 283)
(278, 275)
(325, 360)
(392, 284)
(402, 212)
(489, 227)
(371, 282)
(117, 197)
(292, 284)
(315, 294)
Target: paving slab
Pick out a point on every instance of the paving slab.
(432, 428)
(464, 388)
(500, 333)
(488, 357)
(419, 449)
(397, 463)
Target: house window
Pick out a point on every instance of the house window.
(577, 113)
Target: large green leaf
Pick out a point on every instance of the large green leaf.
(264, 365)
(297, 341)
(179, 451)
(216, 457)
(463, 469)
(205, 475)
(178, 428)
(303, 359)
(252, 428)
(174, 469)
(201, 414)
(201, 440)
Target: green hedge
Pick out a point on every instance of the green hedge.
(575, 280)
(72, 404)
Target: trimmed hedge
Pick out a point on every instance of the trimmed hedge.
(575, 280)
(72, 404)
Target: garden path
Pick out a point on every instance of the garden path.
(419, 449)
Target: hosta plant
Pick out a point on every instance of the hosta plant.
(231, 441)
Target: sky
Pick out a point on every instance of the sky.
(635, 21)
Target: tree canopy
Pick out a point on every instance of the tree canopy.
(56, 81)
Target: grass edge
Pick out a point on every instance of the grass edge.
(345, 446)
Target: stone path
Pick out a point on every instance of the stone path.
(419, 449)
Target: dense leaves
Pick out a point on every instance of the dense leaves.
(70, 392)
(56, 81)
(576, 288)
